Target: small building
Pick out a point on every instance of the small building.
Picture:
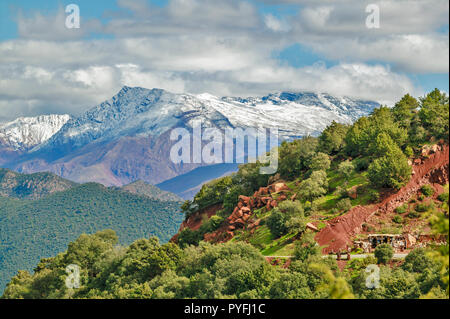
(398, 242)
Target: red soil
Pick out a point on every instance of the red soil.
(338, 234)
(195, 220)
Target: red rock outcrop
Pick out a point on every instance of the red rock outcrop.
(241, 217)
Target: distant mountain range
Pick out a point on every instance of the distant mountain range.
(127, 138)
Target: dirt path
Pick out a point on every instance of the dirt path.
(338, 234)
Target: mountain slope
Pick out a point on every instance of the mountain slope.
(31, 186)
(31, 230)
(127, 138)
(150, 191)
(27, 132)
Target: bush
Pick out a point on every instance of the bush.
(341, 192)
(423, 207)
(344, 205)
(401, 209)
(189, 237)
(409, 151)
(211, 224)
(374, 196)
(346, 169)
(397, 219)
(277, 223)
(427, 190)
(384, 253)
(361, 164)
(413, 214)
(443, 197)
(417, 261)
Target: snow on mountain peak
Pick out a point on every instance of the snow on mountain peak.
(136, 111)
(27, 132)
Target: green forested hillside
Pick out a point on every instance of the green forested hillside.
(31, 230)
(31, 186)
(151, 191)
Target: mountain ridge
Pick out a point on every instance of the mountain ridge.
(127, 138)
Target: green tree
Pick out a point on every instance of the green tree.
(404, 110)
(315, 186)
(391, 169)
(346, 169)
(434, 113)
(331, 141)
(320, 162)
(306, 247)
(296, 156)
(384, 253)
(362, 136)
(288, 217)
(344, 205)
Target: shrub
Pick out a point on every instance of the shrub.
(211, 224)
(417, 261)
(427, 190)
(344, 205)
(443, 197)
(341, 192)
(384, 253)
(368, 228)
(423, 207)
(374, 196)
(346, 169)
(315, 186)
(361, 164)
(413, 214)
(277, 223)
(409, 151)
(189, 237)
(334, 211)
(401, 209)
(397, 219)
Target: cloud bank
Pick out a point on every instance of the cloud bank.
(219, 47)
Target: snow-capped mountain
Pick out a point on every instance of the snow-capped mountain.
(144, 112)
(26, 132)
(126, 138)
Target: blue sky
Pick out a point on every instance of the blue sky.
(222, 47)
